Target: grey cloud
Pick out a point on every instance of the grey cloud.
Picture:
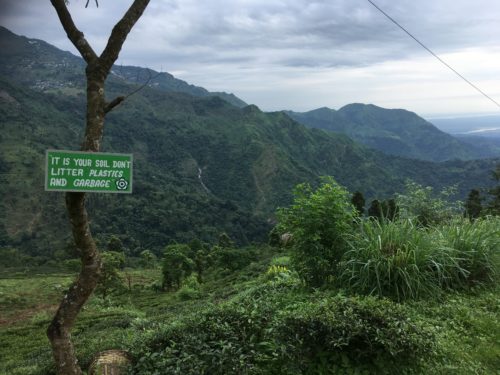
(243, 30)
(277, 38)
(233, 31)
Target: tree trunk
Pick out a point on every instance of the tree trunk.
(64, 319)
(59, 330)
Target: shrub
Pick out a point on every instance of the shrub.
(148, 259)
(319, 222)
(270, 329)
(281, 261)
(73, 265)
(12, 258)
(110, 280)
(349, 335)
(190, 289)
(422, 205)
(176, 266)
(222, 341)
(233, 258)
(276, 272)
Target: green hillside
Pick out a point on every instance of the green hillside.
(202, 165)
(43, 67)
(393, 131)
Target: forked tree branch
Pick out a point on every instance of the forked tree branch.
(120, 32)
(96, 3)
(74, 35)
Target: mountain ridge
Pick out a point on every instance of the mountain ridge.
(394, 131)
(68, 77)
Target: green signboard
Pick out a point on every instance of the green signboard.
(88, 172)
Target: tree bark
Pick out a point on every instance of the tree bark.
(59, 330)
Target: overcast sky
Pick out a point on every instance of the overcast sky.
(300, 54)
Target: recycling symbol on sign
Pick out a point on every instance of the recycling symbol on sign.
(121, 184)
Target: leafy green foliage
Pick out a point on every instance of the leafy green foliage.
(343, 335)
(274, 237)
(383, 210)
(225, 241)
(269, 329)
(250, 336)
(115, 244)
(465, 335)
(420, 203)
(232, 258)
(388, 259)
(375, 210)
(10, 257)
(390, 209)
(358, 201)
(110, 279)
(320, 222)
(190, 289)
(473, 206)
(176, 266)
(148, 258)
(283, 261)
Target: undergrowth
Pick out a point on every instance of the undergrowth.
(402, 261)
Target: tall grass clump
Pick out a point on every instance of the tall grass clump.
(402, 261)
(475, 245)
(389, 259)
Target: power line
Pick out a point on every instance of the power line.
(433, 54)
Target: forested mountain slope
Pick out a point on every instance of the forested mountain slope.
(202, 165)
(393, 131)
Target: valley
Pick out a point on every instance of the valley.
(241, 249)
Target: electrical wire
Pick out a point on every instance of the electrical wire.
(433, 54)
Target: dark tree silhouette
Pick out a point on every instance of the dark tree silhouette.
(473, 205)
(389, 209)
(358, 202)
(494, 204)
(375, 209)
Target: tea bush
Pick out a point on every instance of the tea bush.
(275, 328)
(350, 334)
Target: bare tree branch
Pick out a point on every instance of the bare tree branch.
(96, 3)
(120, 32)
(114, 103)
(118, 100)
(74, 35)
